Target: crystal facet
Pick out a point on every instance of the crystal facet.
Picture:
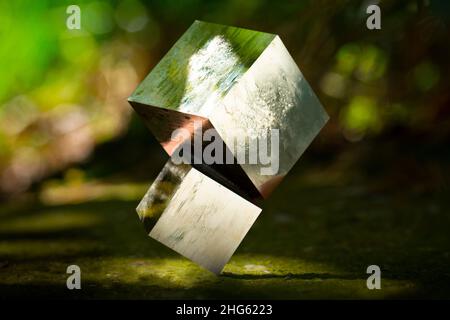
(242, 84)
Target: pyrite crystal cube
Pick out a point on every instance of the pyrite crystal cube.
(196, 216)
(242, 84)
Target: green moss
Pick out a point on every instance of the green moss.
(316, 247)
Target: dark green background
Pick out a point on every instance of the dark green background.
(372, 188)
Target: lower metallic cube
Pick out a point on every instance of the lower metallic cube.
(196, 216)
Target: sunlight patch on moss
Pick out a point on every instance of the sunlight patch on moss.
(53, 193)
(30, 249)
(47, 222)
(241, 264)
(177, 277)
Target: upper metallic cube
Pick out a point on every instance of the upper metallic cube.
(243, 83)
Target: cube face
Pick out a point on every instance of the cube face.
(245, 86)
(163, 122)
(196, 216)
(204, 221)
(160, 193)
(273, 94)
(201, 67)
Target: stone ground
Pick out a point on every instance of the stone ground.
(311, 241)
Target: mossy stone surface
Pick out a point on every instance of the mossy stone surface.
(309, 242)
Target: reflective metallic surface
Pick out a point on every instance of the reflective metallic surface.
(160, 193)
(244, 85)
(201, 67)
(204, 221)
(273, 94)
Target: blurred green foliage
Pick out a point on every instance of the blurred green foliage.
(372, 188)
(63, 92)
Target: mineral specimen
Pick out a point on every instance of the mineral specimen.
(244, 86)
